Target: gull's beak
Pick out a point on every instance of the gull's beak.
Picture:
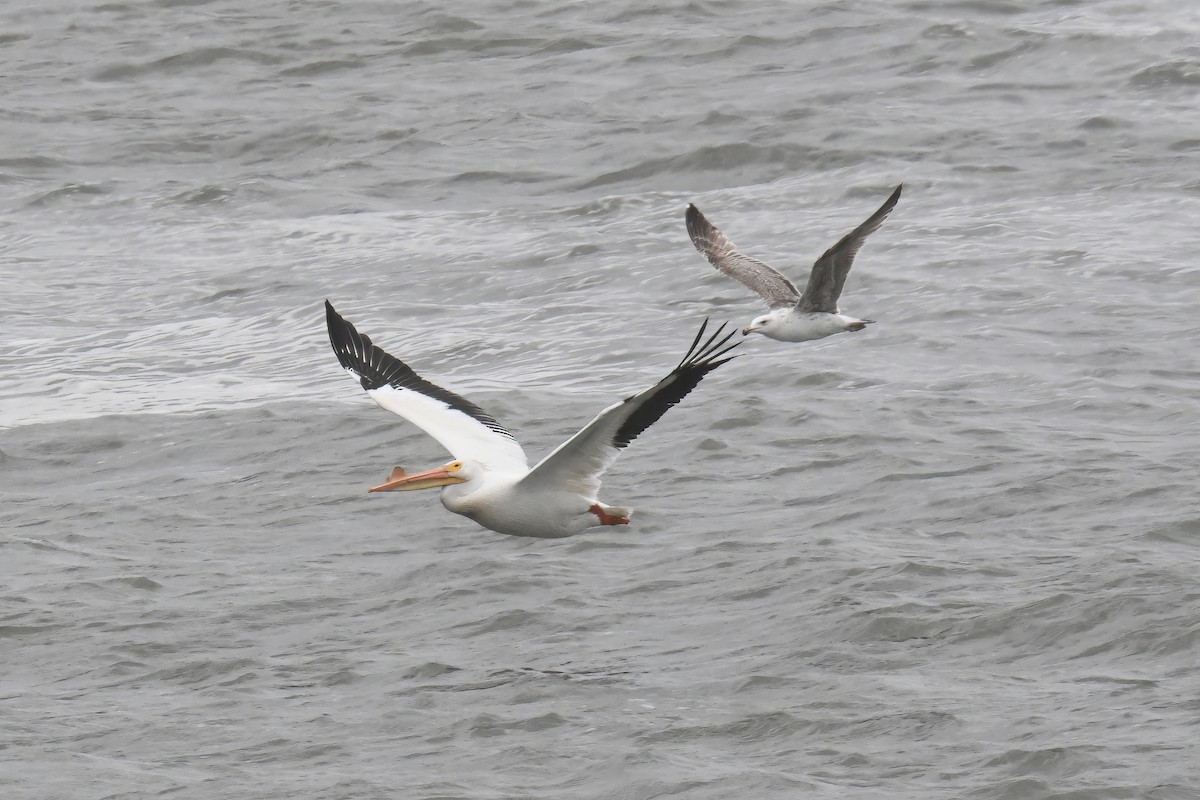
(749, 329)
(399, 481)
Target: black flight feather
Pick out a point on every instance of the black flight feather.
(696, 363)
(376, 368)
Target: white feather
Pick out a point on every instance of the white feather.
(461, 434)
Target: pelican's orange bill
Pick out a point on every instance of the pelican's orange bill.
(399, 481)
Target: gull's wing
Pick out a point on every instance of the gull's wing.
(462, 427)
(579, 462)
(829, 273)
(764, 279)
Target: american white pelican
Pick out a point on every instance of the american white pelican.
(793, 317)
(490, 480)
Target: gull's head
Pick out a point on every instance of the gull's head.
(761, 324)
(445, 475)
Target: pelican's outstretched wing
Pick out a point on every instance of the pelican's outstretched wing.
(829, 273)
(579, 462)
(462, 427)
(764, 279)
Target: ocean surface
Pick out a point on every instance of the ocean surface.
(955, 556)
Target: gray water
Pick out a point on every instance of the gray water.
(952, 556)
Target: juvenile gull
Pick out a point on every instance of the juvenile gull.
(793, 317)
(490, 480)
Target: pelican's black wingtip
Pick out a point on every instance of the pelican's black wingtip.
(719, 347)
(715, 346)
(330, 314)
(335, 323)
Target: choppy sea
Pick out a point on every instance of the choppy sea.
(955, 556)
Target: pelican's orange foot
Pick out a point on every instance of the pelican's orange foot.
(606, 518)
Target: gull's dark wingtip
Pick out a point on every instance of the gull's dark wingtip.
(893, 198)
(873, 222)
(697, 225)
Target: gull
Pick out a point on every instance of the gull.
(793, 317)
(489, 480)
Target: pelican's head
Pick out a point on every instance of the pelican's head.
(445, 475)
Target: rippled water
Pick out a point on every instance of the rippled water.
(953, 556)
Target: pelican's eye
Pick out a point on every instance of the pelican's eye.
(455, 467)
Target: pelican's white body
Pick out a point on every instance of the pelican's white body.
(498, 501)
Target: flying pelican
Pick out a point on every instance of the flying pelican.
(793, 317)
(489, 479)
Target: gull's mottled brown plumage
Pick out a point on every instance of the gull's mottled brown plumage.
(828, 274)
(768, 282)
